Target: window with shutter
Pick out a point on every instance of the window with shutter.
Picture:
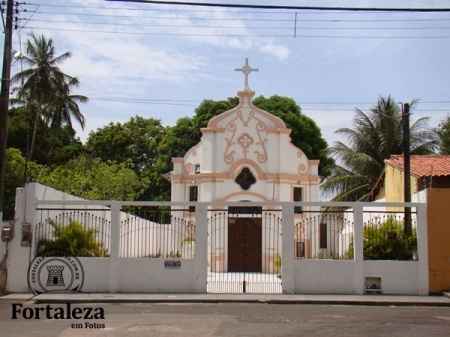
(193, 196)
(298, 196)
(323, 236)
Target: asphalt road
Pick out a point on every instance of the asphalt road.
(198, 320)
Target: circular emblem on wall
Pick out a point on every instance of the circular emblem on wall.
(55, 274)
(302, 168)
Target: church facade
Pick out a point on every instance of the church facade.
(245, 154)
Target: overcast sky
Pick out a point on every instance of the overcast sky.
(170, 55)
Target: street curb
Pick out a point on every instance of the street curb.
(243, 300)
(7, 298)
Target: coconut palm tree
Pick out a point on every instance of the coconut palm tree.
(375, 136)
(66, 106)
(45, 88)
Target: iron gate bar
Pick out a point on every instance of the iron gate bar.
(265, 278)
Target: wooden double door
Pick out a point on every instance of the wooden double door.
(244, 245)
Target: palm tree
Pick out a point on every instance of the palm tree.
(45, 88)
(66, 107)
(375, 136)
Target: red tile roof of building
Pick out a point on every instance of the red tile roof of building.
(424, 165)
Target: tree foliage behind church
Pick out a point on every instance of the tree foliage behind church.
(129, 160)
(305, 132)
(150, 147)
(53, 145)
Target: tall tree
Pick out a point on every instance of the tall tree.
(45, 88)
(15, 165)
(444, 136)
(65, 106)
(95, 179)
(375, 136)
(136, 140)
(53, 145)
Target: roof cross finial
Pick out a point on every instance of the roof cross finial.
(246, 70)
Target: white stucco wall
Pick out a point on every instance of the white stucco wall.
(340, 277)
(140, 275)
(324, 276)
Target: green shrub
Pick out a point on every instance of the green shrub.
(387, 241)
(71, 240)
(277, 263)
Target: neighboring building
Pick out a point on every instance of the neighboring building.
(427, 171)
(430, 183)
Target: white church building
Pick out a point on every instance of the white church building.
(245, 154)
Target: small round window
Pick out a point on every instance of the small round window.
(245, 179)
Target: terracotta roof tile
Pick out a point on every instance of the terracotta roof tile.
(424, 165)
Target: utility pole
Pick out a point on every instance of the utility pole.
(406, 166)
(4, 98)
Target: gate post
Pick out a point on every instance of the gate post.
(201, 247)
(358, 247)
(287, 256)
(114, 283)
(422, 249)
(115, 229)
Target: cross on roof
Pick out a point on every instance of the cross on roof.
(246, 70)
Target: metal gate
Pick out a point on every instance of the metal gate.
(244, 250)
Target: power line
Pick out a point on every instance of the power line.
(81, 7)
(329, 105)
(169, 17)
(258, 19)
(305, 8)
(387, 37)
(152, 33)
(158, 25)
(235, 26)
(350, 110)
(215, 19)
(442, 101)
(139, 101)
(29, 18)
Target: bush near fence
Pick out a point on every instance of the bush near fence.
(388, 241)
(71, 240)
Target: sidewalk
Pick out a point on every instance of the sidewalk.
(381, 300)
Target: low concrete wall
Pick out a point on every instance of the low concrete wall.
(20, 255)
(115, 274)
(324, 277)
(342, 277)
(397, 277)
(141, 276)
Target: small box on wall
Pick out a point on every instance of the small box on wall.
(372, 285)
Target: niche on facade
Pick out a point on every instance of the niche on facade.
(245, 179)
